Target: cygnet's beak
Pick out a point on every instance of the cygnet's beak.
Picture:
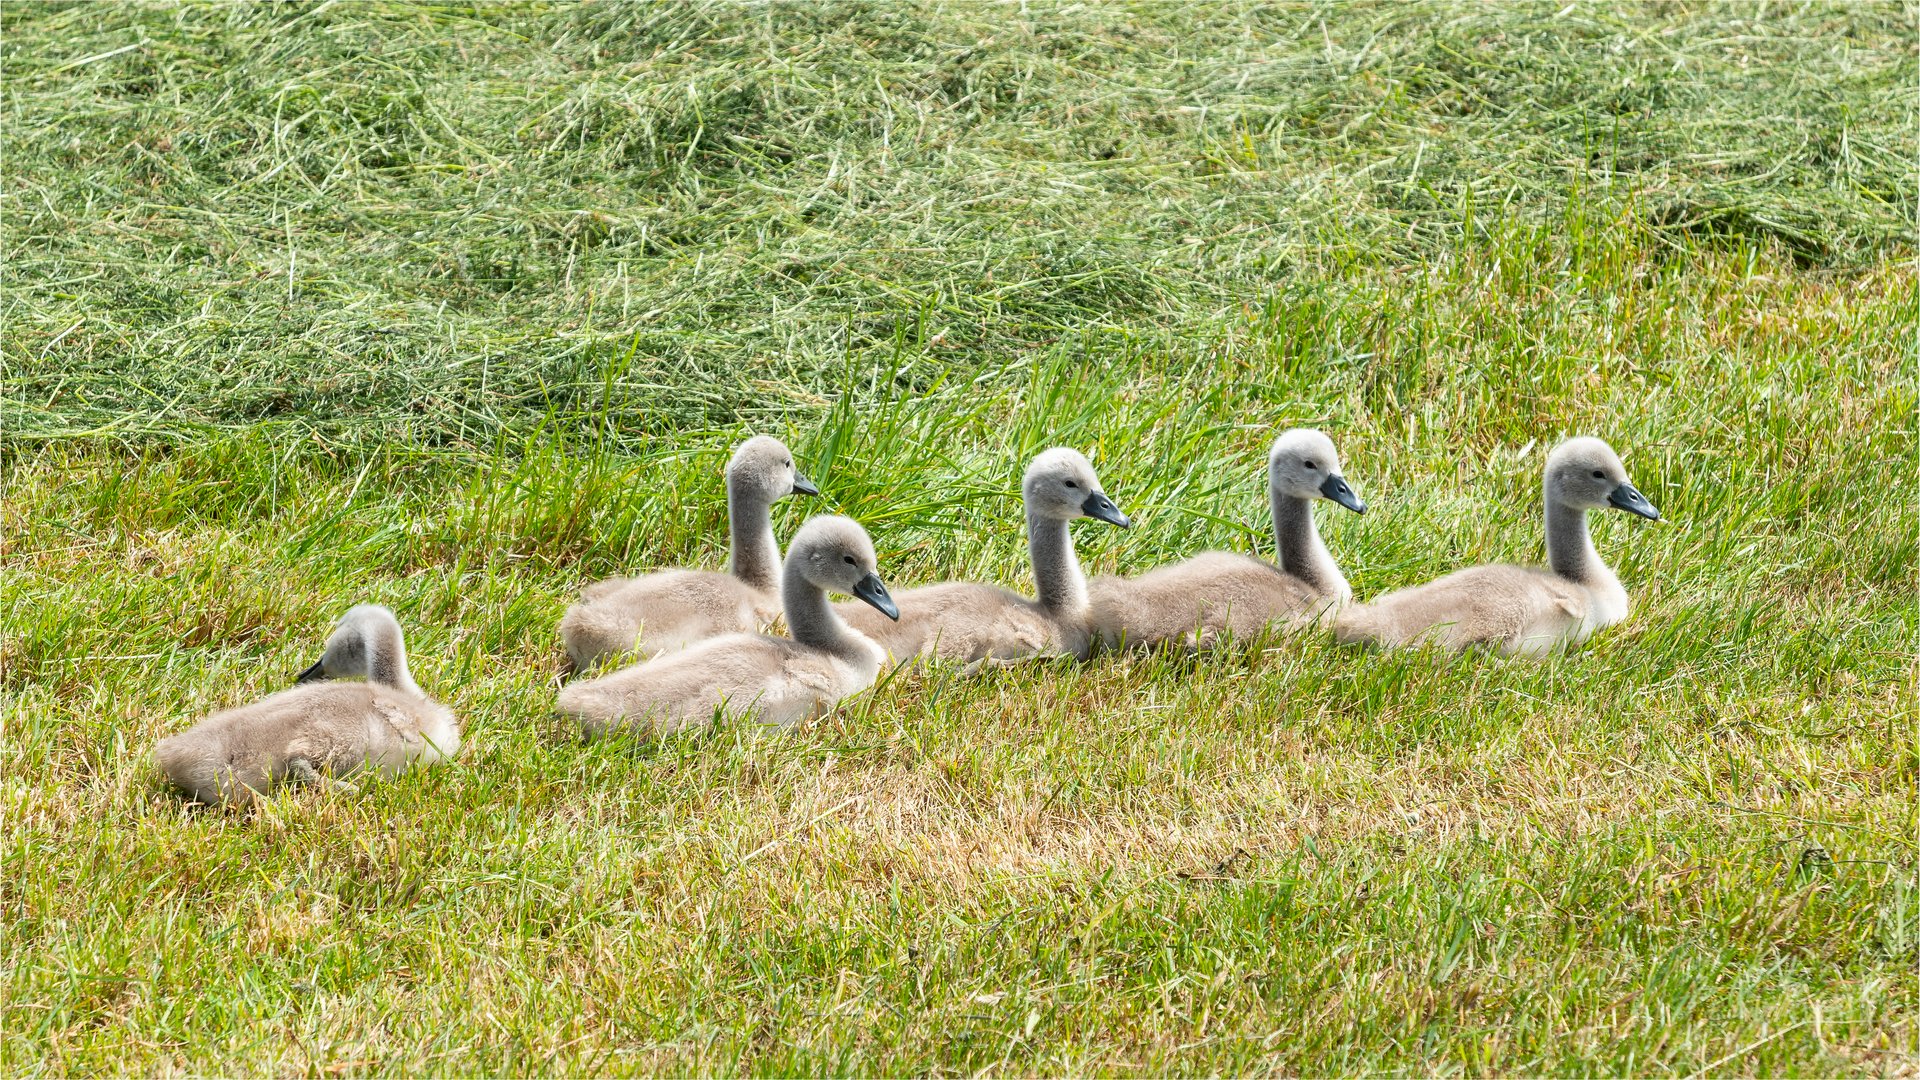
(874, 591)
(803, 486)
(1335, 487)
(1627, 497)
(313, 674)
(1101, 508)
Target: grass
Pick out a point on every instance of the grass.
(459, 307)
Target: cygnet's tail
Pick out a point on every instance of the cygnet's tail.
(595, 632)
(598, 709)
(200, 770)
(1363, 625)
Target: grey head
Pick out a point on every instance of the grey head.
(763, 467)
(1304, 465)
(1585, 473)
(835, 553)
(1061, 485)
(365, 644)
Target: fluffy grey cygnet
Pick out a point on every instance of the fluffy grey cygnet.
(772, 680)
(1522, 610)
(672, 609)
(319, 727)
(975, 624)
(1193, 604)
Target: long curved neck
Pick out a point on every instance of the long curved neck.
(1298, 548)
(810, 618)
(1570, 553)
(1569, 548)
(1057, 580)
(755, 554)
(387, 658)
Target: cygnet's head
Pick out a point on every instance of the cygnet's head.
(1586, 474)
(1304, 465)
(763, 466)
(349, 647)
(1060, 485)
(835, 553)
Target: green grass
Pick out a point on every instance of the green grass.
(458, 308)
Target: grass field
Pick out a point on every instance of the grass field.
(456, 308)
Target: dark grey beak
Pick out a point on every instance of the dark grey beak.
(1627, 497)
(874, 591)
(313, 674)
(803, 486)
(1101, 508)
(1335, 487)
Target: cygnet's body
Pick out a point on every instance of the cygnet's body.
(384, 723)
(1218, 593)
(1521, 610)
(757, 677)
(672, 609)
(972, 623)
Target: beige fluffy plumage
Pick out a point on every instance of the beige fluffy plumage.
(672, 609)
(1526, 611)
(318, 728)
(972, 623)
(1215, 594)
(757, 677)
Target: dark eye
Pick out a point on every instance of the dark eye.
(1073, 485)
(1599, 475)
(1311, 465)
(848, 558)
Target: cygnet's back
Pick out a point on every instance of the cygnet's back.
(318, 727)
(964, 622)
(767, 679)
(669, 610)
(1521, 610)
(1216, 594)
(1197, 603)
(968, 622)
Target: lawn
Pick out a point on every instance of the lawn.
(458, 307)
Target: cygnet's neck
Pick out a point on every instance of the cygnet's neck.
(1298, 548)
(1058, 583)
(1571, 555)
(811, 619)
(386, 653)
(755, 554)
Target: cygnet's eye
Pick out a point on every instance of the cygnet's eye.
(1311, 466)
(848, 559)
(1073, 485)
(1599, 474)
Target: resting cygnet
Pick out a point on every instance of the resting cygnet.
(672, 609)
(1523, 610)
(976, 623)
(385, 723)
(772, 680)
(1194, 603)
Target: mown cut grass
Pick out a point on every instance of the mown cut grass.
(892, 237)
(422, 221)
